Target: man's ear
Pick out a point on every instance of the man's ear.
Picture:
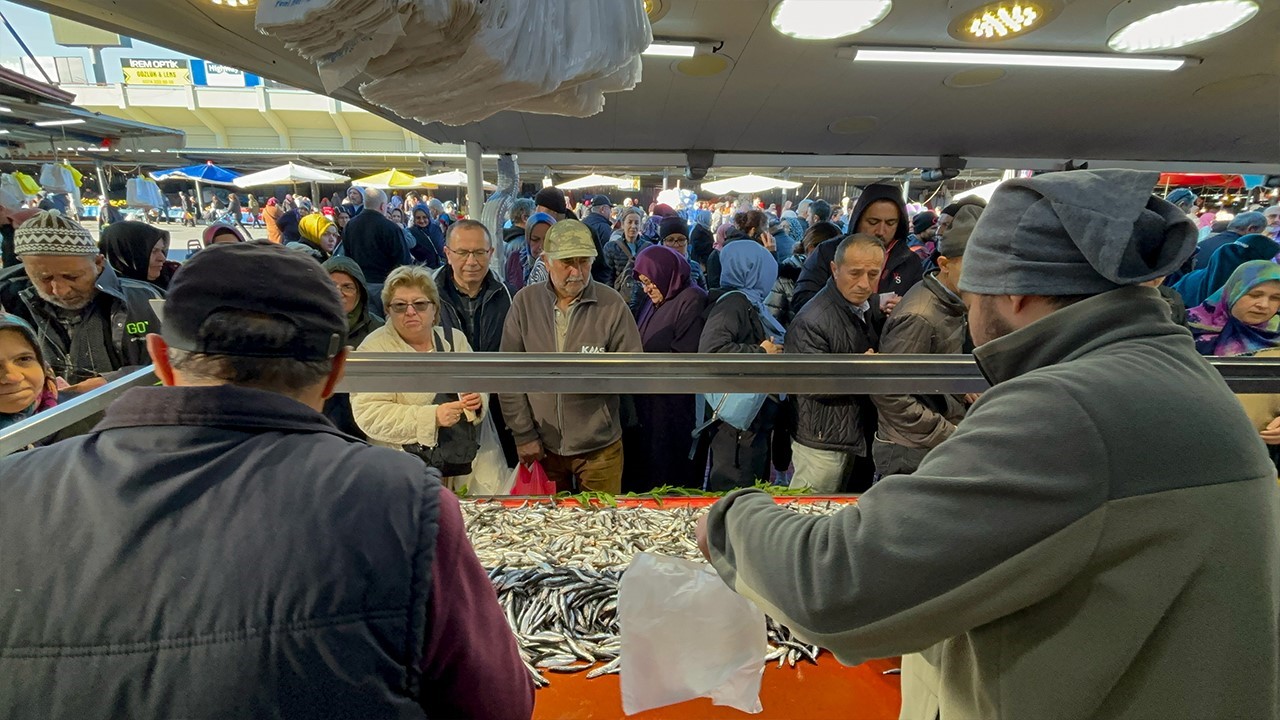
(159, 352)
(336, 374)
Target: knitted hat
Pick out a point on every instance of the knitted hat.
(672, 226)
(1083, 232)
(956, 239)
(49, 232)
(923, 221)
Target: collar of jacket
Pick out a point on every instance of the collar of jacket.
(1070, 333)
(108, 282)
(224, 406)
(588, 294)
(443, 277)
(949, 300)
(841, 301)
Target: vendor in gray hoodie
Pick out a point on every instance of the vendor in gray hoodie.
(1097, 539)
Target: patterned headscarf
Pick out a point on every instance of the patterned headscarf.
(1218, 332)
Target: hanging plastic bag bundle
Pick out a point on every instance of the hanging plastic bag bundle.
(29, 186)
(686, 635)
(54, 178)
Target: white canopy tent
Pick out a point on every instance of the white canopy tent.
(748, 184)
(593, 180)
(291, 174)
(452, 178)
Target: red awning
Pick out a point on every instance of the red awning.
(1231, 182)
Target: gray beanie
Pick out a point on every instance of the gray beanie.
(955, 240)
(1082, 232)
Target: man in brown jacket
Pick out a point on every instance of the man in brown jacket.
(577, 437)
(1100, 537)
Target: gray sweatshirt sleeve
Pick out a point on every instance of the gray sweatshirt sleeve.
(516, 409)
(997, 518)
(904, 414)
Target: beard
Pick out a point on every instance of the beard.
(994, 326)
(80, 303)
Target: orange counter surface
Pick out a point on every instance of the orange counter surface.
(824, 691)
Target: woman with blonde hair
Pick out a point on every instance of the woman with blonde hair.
(450, 432)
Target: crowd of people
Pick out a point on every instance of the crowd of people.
(1107, 496)
(763, 280)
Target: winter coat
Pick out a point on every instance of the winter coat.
(599, 322)
(128, 317)
(930, 320)
(495, 303)
(830, 326)
(1097, 540)
(271, 217)
(368, 602)
(376, 244)
(1207, 247)
(620, 260)
(779, 300)
(601, 231)
(902, 267)
(338, 407)
(732, 325)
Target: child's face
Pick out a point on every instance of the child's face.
(21, 375)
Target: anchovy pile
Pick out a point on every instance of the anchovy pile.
(556, 570)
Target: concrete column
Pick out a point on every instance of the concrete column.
(475, 180)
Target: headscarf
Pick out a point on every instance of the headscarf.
(425, 250)
(272, 202)
(221, 228)
(128, 247)
(1198, 285)
(752, 270)
(666, 269)
(1218, 332)
(313, 227)
(48, 396)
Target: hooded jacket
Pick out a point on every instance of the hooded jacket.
(902, 267)
(338, 407)
(128, 319)
(930, 320)
(1098, 539)
(599, 322)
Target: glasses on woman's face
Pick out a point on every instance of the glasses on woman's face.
(676, 241)
(420, 307)
(347, 288)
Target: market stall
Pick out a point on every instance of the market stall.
(556, 564)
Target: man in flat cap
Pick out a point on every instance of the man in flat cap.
(215, 548)
(1097, 539)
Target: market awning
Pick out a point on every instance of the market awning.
(594, 181)
(392, 179)
(748, 184)
(453, 178)
(290, 173)
(207, 173)
(1229, 182)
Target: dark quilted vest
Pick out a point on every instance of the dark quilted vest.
(198, 572)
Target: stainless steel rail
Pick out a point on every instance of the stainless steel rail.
(636, 374)
(17, 436)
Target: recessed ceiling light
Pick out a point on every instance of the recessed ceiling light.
(52, 123)
(1148, 25)
(671, 49)
(702, 65)
(828, 19)
(974, 77)
(655, 9)
(1002, 20)
(1082, 61)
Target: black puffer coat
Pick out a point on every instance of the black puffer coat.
(828, 325)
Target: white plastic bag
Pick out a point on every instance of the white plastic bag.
(55, 179)
(686, 635)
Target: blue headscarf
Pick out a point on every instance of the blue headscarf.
(747, 267)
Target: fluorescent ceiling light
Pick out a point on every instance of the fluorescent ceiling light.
(52, 123)
(667, 49)
(828, 19)
(5, 110)
(1081, 61)
(1179, 26)
(4, 132)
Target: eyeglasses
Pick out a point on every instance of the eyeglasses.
(477, 255)
(676, 241)
(347, 288)
(420, 307)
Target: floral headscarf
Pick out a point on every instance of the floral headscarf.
(1218, 332)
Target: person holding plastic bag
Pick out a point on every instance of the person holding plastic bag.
(738, 322)
(1097, 539)
(450, 432)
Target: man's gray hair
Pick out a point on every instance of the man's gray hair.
(468, 225)
(521, 210)
(856, 240)
(1248, 220)
(374, 199)
(435, 204)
